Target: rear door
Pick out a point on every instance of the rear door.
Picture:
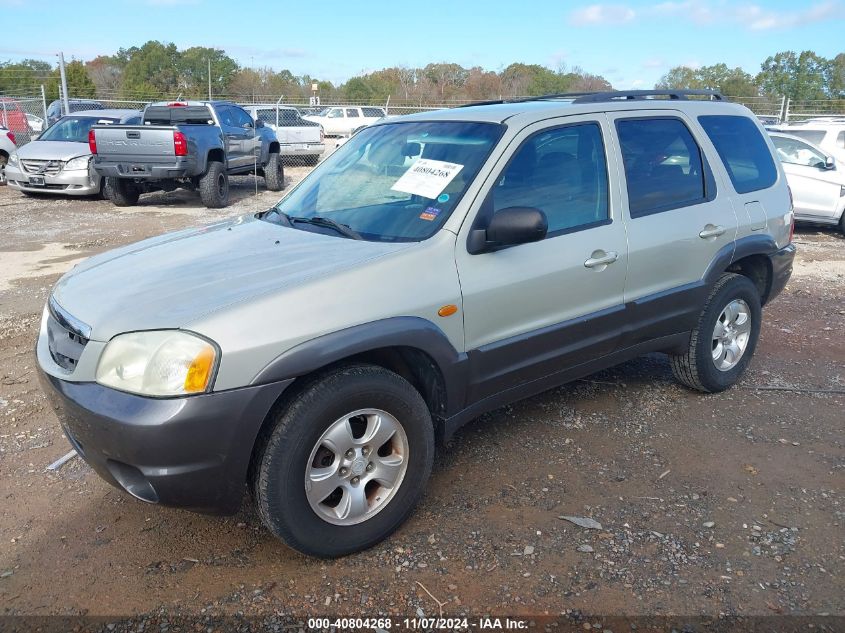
(676, 223)
(534, 309)
(235, 137)
(815, 189)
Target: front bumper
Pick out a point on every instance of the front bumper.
(76, 182)
(190, 452)
(781, 270)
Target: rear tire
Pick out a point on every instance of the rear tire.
(274, 173)
(723, 342)
(121, 192)
(4, 160)
(842, 223)
(345, 435)
(214, 186)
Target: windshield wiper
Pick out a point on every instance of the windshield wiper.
(284, 218)
(328, 223)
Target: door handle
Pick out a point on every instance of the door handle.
(600, 259)
(711, 230)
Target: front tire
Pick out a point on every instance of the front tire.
(345, 462)
(723, 342)
(214, 186)
(274, 173)
(121, 192)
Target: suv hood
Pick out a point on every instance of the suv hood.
(169, 281)
(53, 150)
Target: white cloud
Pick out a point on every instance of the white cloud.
(760, 19)
(711, 12)
(602, 14)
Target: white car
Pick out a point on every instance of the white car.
(827, 133)
(297, 136)
(7, 146)
(36, 123)
(345, 120)
(816, 179)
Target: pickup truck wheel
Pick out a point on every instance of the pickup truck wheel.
(723, 342)
(842, 223)
(274, 173)
(345, 462)
(214, 186)
(121, 192)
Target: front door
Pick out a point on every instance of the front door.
(534, 309)
(816, 190)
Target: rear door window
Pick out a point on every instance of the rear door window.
(664, 168)
(743, 151)
(351, 112)
(373, 112)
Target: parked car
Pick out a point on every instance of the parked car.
(59, 161)
(7, 148)
(816, 179)
(36, 123)
(56, 108)
(193, 145)
(344, 120)
(828, 134)
(298, 138)
(431, 269)
(13, 117)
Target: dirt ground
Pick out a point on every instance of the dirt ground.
(727, 504)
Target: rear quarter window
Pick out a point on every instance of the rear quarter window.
(743, 151)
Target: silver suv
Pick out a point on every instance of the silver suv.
(433, 268)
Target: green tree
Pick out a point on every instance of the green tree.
(798, 76)
(79, 84)
(733, 82)
(835, 77)
(25, 77)
(193, 71)
(151, 72)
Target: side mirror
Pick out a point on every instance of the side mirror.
(829, 163)
(509, 227)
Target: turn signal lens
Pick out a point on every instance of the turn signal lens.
(199, 373)
(447, 310)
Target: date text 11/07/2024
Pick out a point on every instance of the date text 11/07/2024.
(418, 624)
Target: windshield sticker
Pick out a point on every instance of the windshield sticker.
(430, 214)
(427, 178)
(443, 197)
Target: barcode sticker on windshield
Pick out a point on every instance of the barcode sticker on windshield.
(427, 178)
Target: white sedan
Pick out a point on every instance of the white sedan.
(816, 180)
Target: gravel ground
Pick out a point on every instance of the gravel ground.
(721, 505)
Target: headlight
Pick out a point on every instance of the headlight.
(13, 159)
(158, 363)
(80, 162)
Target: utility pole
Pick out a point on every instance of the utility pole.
(209, 79)
(64, 82)
(44, 103)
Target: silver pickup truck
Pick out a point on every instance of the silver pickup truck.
(193, 145)
(299, 139)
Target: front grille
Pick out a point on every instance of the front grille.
(66, 337)
(45, 167)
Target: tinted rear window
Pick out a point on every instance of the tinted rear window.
(743, 151)
(663, 165)
(176, 115)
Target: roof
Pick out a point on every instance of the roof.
(281, 106)
(106, 114)
(527, 111)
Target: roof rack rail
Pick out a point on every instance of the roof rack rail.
(558, 95)
(631, 95)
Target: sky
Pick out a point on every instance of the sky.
(631, 43)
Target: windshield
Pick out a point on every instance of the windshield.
(74, 128)
(397, 182)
